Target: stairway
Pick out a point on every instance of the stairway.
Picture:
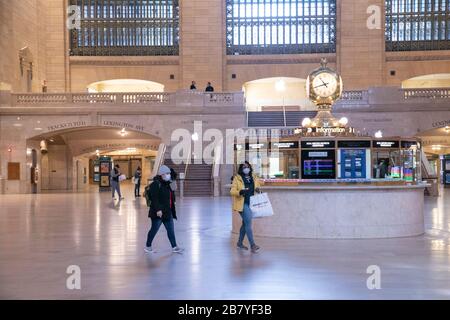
(198, 181)
(276, 118)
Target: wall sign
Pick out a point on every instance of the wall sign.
(408, 144)
(354, 144)
(67, 125)
(318, 144)
(386, 144)
(285, 145)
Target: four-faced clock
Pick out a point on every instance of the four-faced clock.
(324, 86)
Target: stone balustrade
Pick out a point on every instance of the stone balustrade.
(181, 98)
(379, 98)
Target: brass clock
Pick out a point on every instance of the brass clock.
(324, 86)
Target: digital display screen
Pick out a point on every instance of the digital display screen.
(318, 164)
(318, 144)
(386, 144)
(353, 163)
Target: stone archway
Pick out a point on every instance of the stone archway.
(67, 164)
(275, 94)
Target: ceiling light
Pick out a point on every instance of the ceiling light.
(38, 129)
(379, 134)
(280, 85)
(123, 132)
(17, 124)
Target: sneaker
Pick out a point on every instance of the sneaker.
(177, 250)
(149, 250)
(255, 248)
(241, 246)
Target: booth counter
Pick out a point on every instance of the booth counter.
(340, 188)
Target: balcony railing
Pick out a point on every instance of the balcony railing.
(181, 98)
(429, 94)
(377, 99)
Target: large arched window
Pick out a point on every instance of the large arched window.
(126, 27)
(281, 26)
(413, 25)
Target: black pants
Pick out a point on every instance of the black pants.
(137, 188)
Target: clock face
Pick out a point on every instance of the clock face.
(325, 85)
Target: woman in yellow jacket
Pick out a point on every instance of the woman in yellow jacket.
(244, 185)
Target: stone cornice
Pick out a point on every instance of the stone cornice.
(252, 60)
(418, 58)
(101, 62)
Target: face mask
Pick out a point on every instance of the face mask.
(166, 177)
(246, 170)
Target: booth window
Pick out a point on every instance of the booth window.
(126, 28)
(280, 26)
(413, 25)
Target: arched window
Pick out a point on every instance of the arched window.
(413, 25)
(126, 27)
(281, 26)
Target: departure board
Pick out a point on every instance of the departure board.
(318, 164)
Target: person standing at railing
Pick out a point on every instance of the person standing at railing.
(193, 86)
(209, 88)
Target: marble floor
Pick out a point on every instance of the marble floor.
(41, 235)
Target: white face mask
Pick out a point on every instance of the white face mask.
(246, 170)
(166, 177)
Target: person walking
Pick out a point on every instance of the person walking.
(162, 209)
(137, 182)
(244, 185)
(193, 86)
(209, 88)
(115, 183)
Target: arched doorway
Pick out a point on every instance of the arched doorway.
(438, 80)
(276, 94)
(66, 158)
(125, 85)
(436, 144)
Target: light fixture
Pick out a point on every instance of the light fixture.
(435, 147)
(280, 85)
(343, 121)
(17, 125)
(51, 140)
(18, 118)
(447, 129)
(306, 122)
(38, 129)
(123, 132)
(194, 136)
(379, 134)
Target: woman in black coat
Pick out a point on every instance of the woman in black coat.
(162, 208)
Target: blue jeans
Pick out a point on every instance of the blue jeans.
(246, 228)
(115, 186)
(168, 224)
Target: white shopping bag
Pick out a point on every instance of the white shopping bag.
(261, 206)
(122, 177)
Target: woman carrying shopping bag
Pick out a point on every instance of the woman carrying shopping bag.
(244, 185)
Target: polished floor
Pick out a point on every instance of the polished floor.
(41, 235)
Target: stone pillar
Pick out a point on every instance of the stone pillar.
(202, 43)
(360, 49)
